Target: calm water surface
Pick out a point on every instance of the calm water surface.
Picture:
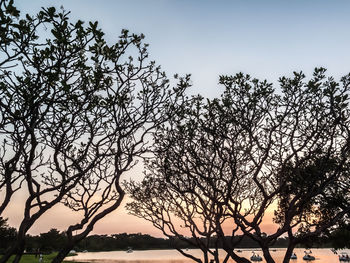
(173, 256)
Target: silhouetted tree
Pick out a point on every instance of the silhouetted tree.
(339, 238)
(204, 154)
(48, 111)
(12, 45)
(252, 149)
(138, 99)
(52, 240)
(76, 113)
(178, 213)
(314, 179)
(7, 234)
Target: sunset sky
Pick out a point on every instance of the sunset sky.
(266, 39)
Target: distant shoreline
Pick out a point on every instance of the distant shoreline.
(324, 255)
(240, 248)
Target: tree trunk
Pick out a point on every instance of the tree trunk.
(20, 251)
(6, 200)
(17, 249)
(216, 256)
(288, 253)
(267, 255)
(227, 257)
(229, 250)
(5, 258)
(18, 256)
(63, 253)
(206, 259)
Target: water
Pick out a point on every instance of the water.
(173, 256)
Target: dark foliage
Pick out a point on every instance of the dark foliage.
(7, 235)
(225, 161)
(76, 113)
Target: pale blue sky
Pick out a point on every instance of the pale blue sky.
(266, 39)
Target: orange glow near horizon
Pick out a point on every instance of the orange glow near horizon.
(119, 221)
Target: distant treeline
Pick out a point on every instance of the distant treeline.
(54, 240)
(142, 241)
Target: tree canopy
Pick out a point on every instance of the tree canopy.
(225, 161)
(76, 113)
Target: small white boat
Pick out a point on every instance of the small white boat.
(344, 257)
(293, 256)
(308, 255)
(255, 257)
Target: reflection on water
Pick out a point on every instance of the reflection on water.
(173, 256)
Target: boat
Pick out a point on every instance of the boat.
(129, 250)
(344, 257)
(308, 255)
(255, 257)
(293, 256)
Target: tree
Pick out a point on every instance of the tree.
(177, 213)
(7, 233)
(314, 195)
(76, 113)
(340, 238)
(194, 157)
(47, 99)
(52, 240)
(252, 149)
(12, 44)
(140, 101)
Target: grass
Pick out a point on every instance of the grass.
(46, 259)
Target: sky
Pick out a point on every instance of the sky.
(266, 39)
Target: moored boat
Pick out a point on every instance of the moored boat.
(344, 257)
(308, 255)
(293, 256)
(255, 257)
